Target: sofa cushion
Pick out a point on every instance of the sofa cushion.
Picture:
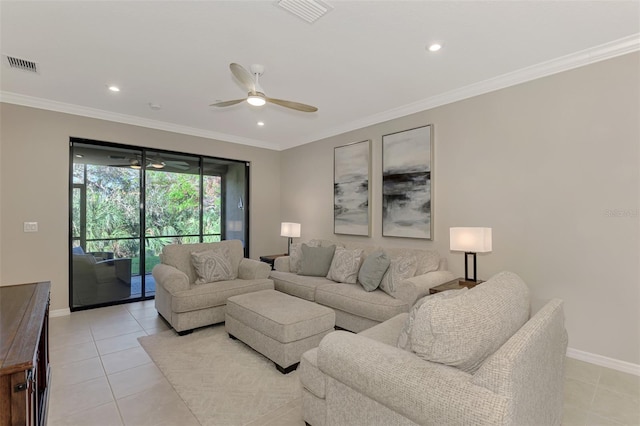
(375, 305)
(403, 341)
(210, 295)
(297, 285)
(463, 331)
(401, 268)
(212, 265)
(316, 260)
(345, 265)
(373, 269)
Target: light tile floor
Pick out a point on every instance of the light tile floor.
(102, 376)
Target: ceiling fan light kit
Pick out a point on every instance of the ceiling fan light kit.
(256, 99)
(255, 95)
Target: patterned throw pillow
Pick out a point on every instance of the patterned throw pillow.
(213, 265)
(400, 269)
(345, 265)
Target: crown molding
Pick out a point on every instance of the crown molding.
(33, 102)
(564, 63)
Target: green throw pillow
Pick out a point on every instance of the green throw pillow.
(373, 269)
(316, 261)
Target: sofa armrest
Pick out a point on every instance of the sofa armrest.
(412, 289)
(282, 264)
(171, 279)
(251, 269)
(424, 392)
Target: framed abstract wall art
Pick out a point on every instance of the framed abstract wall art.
(406, 183)
(351, 189)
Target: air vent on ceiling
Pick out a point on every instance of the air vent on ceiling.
(21, 64)
(309, 10)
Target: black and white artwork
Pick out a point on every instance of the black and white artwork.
(406, 183)
(351, 191)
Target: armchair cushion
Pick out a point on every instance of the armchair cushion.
(179, 255)
(404, 341)
(213, 265)
(463, 331)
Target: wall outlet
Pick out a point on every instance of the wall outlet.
(31, 227)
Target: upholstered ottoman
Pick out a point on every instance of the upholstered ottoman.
(279, 326)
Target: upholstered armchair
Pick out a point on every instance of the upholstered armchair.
(99, 281)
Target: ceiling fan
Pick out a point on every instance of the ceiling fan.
(256, 96)
(155, 162)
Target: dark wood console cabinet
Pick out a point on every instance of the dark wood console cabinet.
(24, 354)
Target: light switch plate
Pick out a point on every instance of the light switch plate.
(31, 227)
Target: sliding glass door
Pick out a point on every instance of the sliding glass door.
(105, 225)
(127, 203)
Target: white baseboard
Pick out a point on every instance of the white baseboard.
(603, 361)
(59, 313)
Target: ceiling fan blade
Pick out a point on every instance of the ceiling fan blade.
(293, 105)
(228, 103)
(244, 76)
(180, 165)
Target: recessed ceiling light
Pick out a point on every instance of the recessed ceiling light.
(435, 47)
(260, 123)
(114, 88)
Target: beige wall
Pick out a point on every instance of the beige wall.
(34, 182)
(551, 165)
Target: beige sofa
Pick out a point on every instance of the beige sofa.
(486, 375)
(355, 308)
(187, 305)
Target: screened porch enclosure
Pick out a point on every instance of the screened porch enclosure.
(126, 203)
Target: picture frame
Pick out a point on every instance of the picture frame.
(407, 204)
(352, 189)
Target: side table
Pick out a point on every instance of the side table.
(271, 259)
(456, 284)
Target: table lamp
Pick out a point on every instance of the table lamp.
(470, 241)
(290, 230)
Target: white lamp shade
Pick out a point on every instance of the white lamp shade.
(471, 240)
(289, 229)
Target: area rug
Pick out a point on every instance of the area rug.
(222, 381)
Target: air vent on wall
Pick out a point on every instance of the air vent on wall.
(21, 64)
(309, 10)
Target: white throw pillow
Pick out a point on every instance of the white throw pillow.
(463, 331)
(401, 268)
(213, 265)
(345, 265)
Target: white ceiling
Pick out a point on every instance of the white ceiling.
(362, 63)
